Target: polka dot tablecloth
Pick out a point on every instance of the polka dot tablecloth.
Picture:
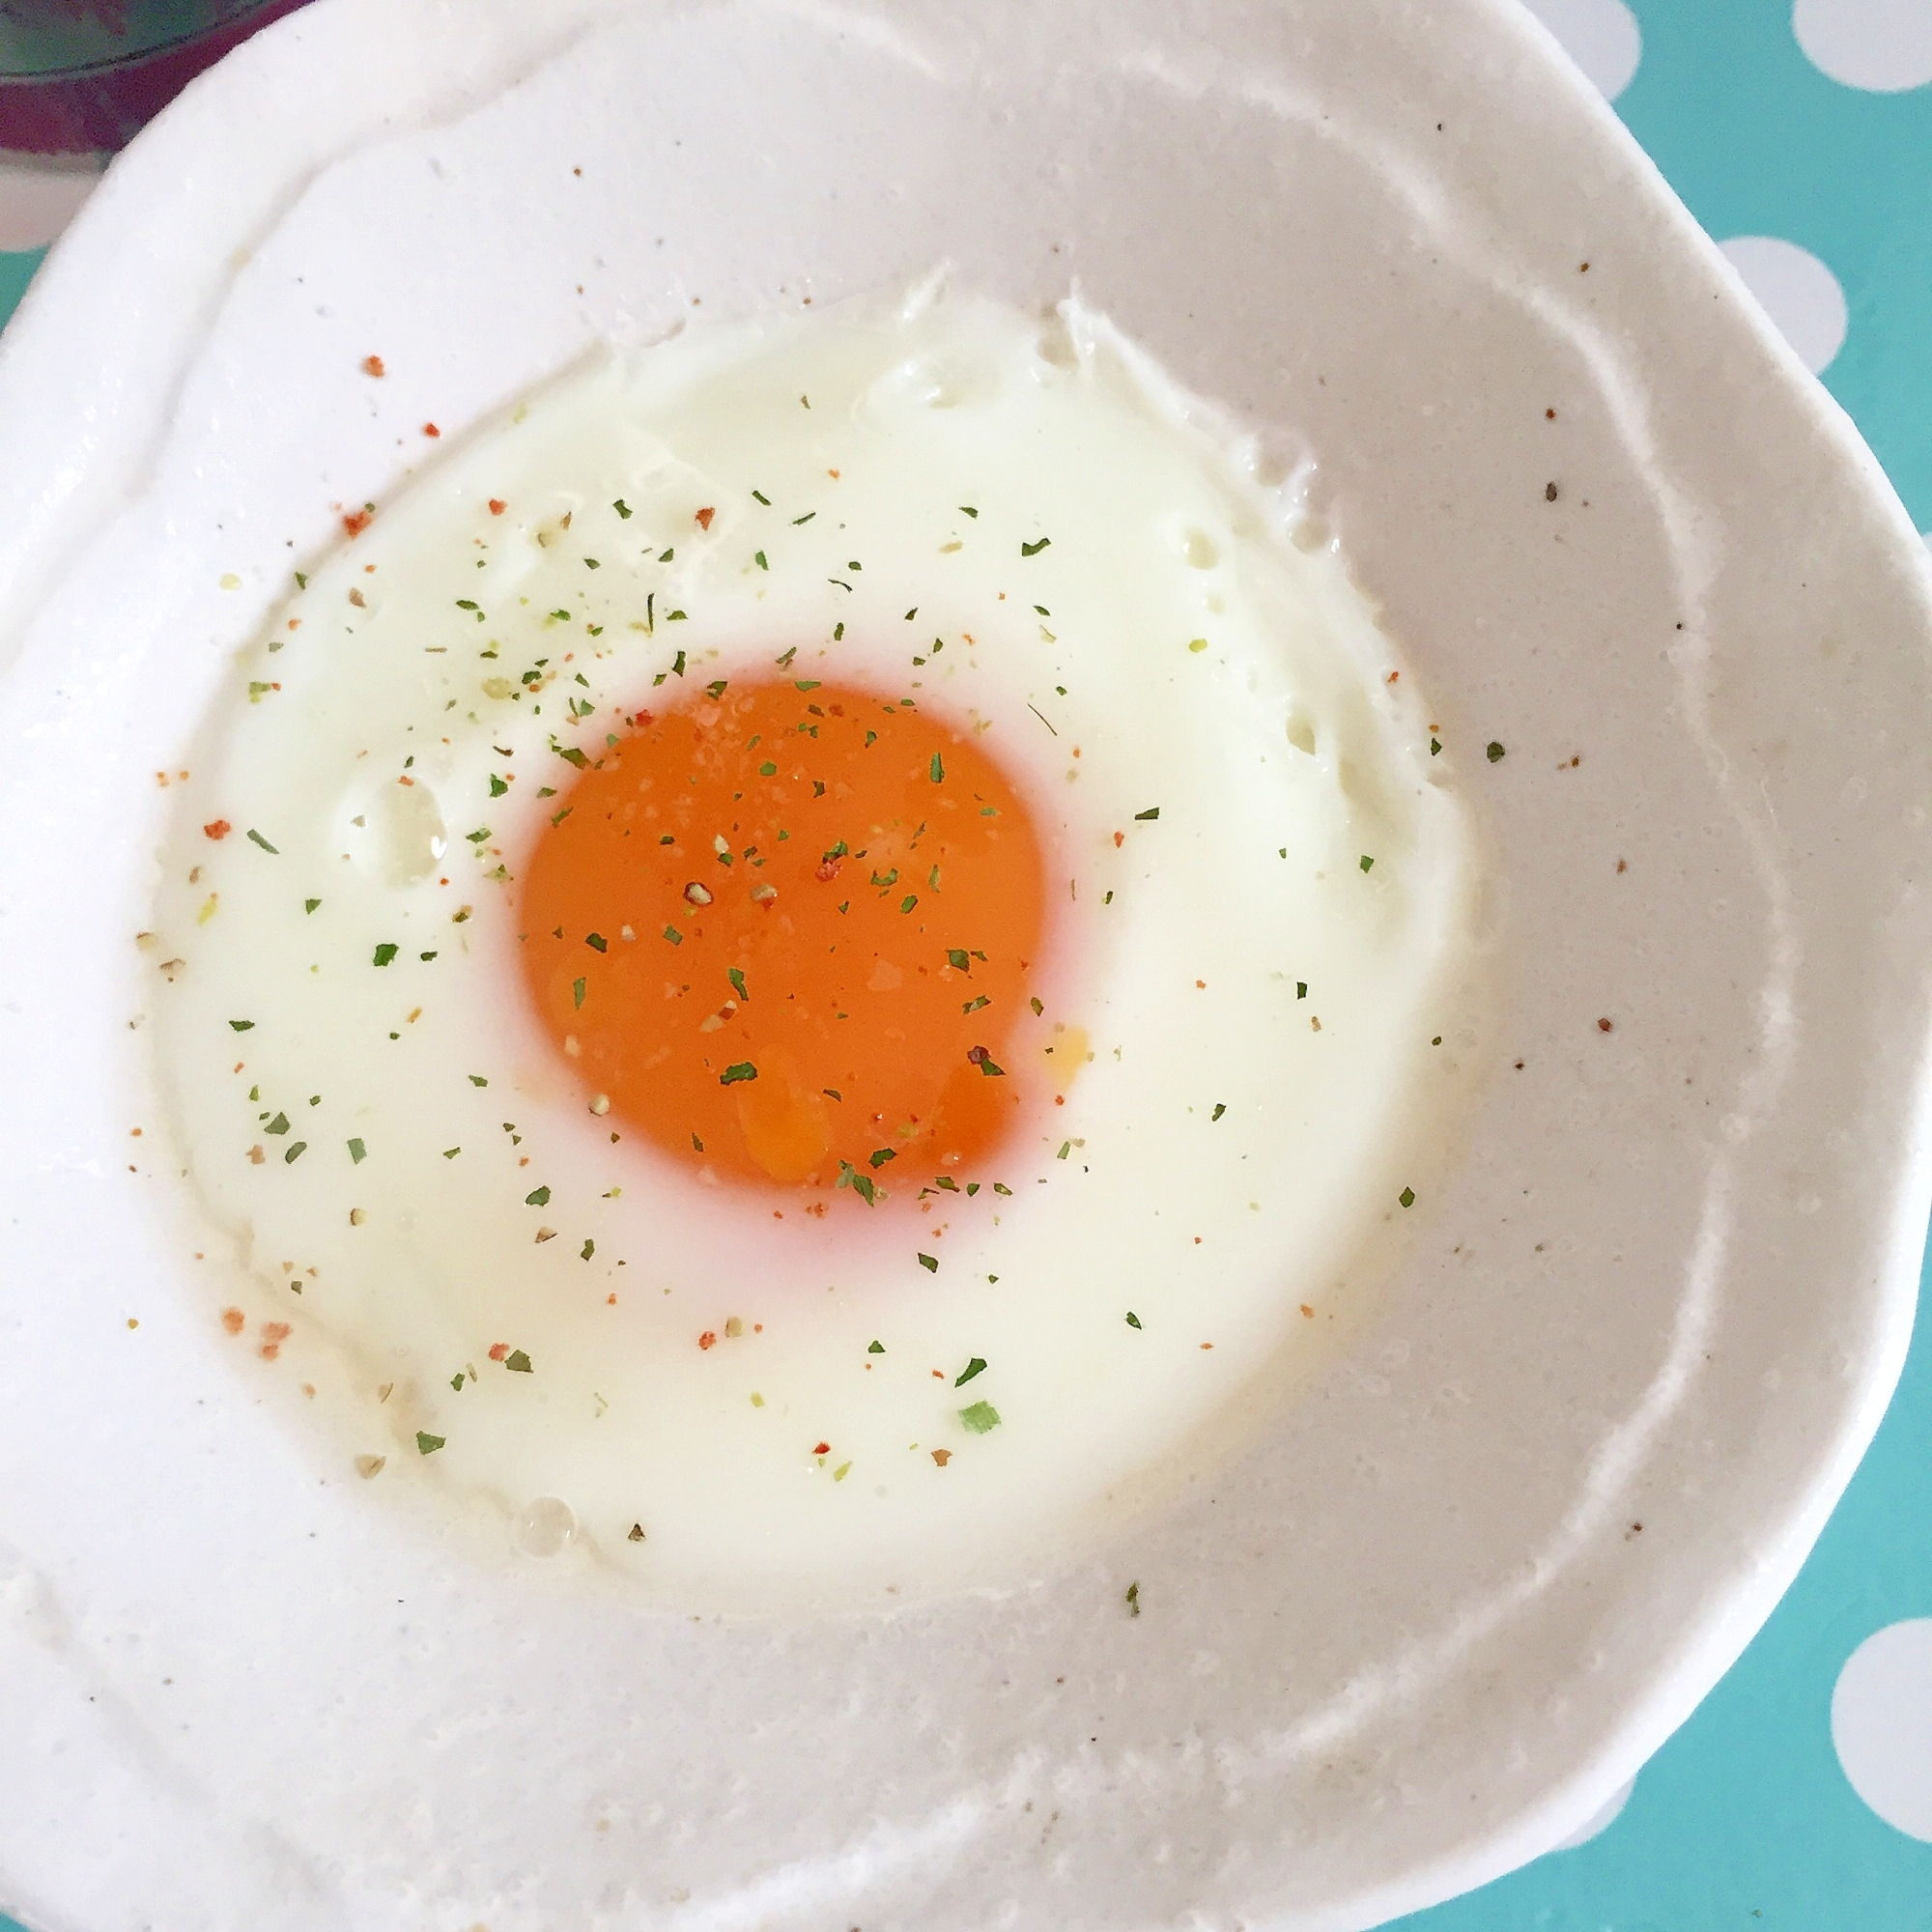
(1800, 1794)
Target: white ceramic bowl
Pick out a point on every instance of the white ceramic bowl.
(1468, 1584)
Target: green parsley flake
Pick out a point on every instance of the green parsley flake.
(1219, 1110)
(672, 934)
(263, 843)
(861, 1185)
(936, 771)
(1133, 1319)
(242, 1026)
(385, 952)
(622, 509)
(742, 1070)
(358, 1153)
(879, 1156)
(577, 991)
(975, 1367)
(1153, 811)
(518, 1363)
(875, 1348)
(1133, 1600)
(1495, 751)
(294, 1151)
(428, 1444)
(596, 942)
(1035, 548)
(1407, 1196)
(929, 1263)
(760, 557)
(979, 1419)
(309, 905)
(1368, 864)
(537, 1196)
(478, 1080)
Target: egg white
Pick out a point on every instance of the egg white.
(1261, 989)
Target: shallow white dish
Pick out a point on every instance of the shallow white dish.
(1417, 1635)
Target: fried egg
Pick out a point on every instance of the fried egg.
(821, 962)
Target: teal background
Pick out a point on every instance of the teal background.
(1744, 1819)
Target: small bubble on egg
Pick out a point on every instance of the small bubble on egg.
(545, 1527)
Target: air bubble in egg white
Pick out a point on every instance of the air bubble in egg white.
(399, 837)
(1302, 731)
(927, 383)
(1197, 548)
(545, 1527)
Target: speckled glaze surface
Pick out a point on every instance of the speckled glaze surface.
(1415, 1636)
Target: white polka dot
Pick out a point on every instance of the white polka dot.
(1882, 1725)
(1882, 46)
(1598, 1821)
(1601, 36)
(1796, 291)
(38, 199)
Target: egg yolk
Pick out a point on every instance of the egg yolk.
(787, 930)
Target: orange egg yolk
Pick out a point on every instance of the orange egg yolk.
(786, 931)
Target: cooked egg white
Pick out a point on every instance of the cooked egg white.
(1259, 1009)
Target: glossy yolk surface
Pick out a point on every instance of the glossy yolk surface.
(785, 930)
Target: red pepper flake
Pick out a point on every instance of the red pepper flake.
(828, 871)
(941, 1457)
(705, 517)
(497, 506)
(233, 1320)
(217, 828)
(431, 430)
(273, 1335)
(1119, 838)
(1206, 1345)
(355, 522)
(708, 1340)
(1602, 1026)
(499, 1349)
(372, 365)
(1308, 1311)
(823, 1449)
